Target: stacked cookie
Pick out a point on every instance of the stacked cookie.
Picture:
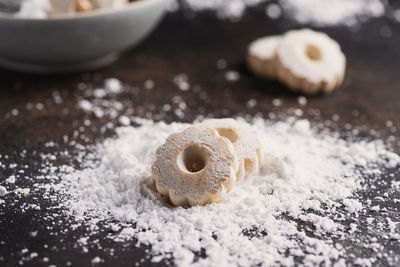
(304, 60)
(201, 164)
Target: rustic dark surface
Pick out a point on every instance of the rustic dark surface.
(369, 98)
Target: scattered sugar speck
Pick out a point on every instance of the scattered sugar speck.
(181, 81)
(96, 260)
(11, 179)
(149, 84)
(3, 191)
(113, 85)
(124, 120)
(273, 11)
(277, 102)
(232, 76)
(251, 103)
(302, 100)
(221, 64)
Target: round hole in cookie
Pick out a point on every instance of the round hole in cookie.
(313, 52)
(193, 159)
(228, 133)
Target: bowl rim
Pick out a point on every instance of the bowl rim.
(98, 12)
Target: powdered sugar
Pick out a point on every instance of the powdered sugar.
(304, 211)
(3, 191)
(34, 9)
(259, 223)
(41, 9)
(320, 205)
(232, 9)
(323, 13)
(316, 12)
(265, 47)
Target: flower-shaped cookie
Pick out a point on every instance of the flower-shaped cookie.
(195, 167)
(245, 140)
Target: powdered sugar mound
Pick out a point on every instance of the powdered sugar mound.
(232, 9)
(34, 9)
(259, 222)
(325, 12)
(316, 12)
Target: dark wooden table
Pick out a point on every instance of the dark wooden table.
(369, 98)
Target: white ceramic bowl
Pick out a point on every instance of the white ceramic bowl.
(75, 43)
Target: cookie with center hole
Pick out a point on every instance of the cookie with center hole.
(245, 141)
(195, 167)
(310, 62)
